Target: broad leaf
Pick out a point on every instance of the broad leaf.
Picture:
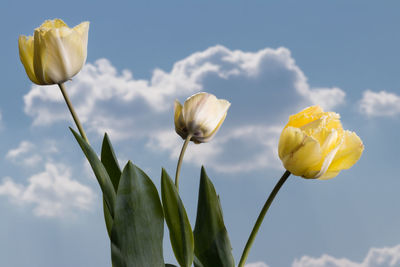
(180, 231)
(99, 171)
(138, 226)
(107, 218)
(170, 265)
(211, 241)
(110, 162)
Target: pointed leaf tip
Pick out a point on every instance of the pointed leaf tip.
(110, 162)
(212, 245)
(180, 231)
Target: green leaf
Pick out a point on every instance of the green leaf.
(107, 218)
(211, 241)
(99, 171)
(138, 226)
(180, 231)
(170, 265)
(110, 162)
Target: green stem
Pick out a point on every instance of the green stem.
(73, 113)
(261, 218)
(178, 167)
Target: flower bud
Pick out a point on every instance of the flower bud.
(201, 116)
(55, 53)
(314, 145)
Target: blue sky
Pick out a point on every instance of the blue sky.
(269, 59)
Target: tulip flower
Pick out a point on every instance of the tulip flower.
(314, 145)
(200, 117)
(55, 53)
(198, 120)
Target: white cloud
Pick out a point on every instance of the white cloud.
(52, 193)
(376, 257)
(256, 264)
(100, 82)
(381, 103)
(24, 147)
(263, 86)
(257, 142)
(327, 98)
(324, 261)
(24, 154)
(31, 155)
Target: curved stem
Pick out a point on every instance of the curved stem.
(73, 113)
(178, 167)
(261, 218)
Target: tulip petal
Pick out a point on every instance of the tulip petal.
(56, 23)
(66, 53)
(192, 106)
(327, 162)
(298, 151)
(331, 141)
(180, 126)
(305, 116)
(203, 114)
(60, 52)
(197, 110)
(210, 135)
(211, 115)
(315, 117)
(39, 56)
(328, 175)
(26, 48)
(349, 152)
(332, 121)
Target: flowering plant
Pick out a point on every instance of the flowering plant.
(312, 145)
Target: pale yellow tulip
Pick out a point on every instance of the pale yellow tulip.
(314, 145)
(201, 116)
(55, 53)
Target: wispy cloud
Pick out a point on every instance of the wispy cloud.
(23, 154)
(51, 193)
(256, 264)
(30, 154)
(377, 104)
(376, 257)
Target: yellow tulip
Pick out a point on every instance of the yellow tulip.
(201, 116)
(314, 145)
(55, 53)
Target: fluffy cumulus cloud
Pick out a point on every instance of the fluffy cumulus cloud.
(51, 193)
(375, 104)
(255, 141)
(264, 87)
(50, 190)
(376, 257)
